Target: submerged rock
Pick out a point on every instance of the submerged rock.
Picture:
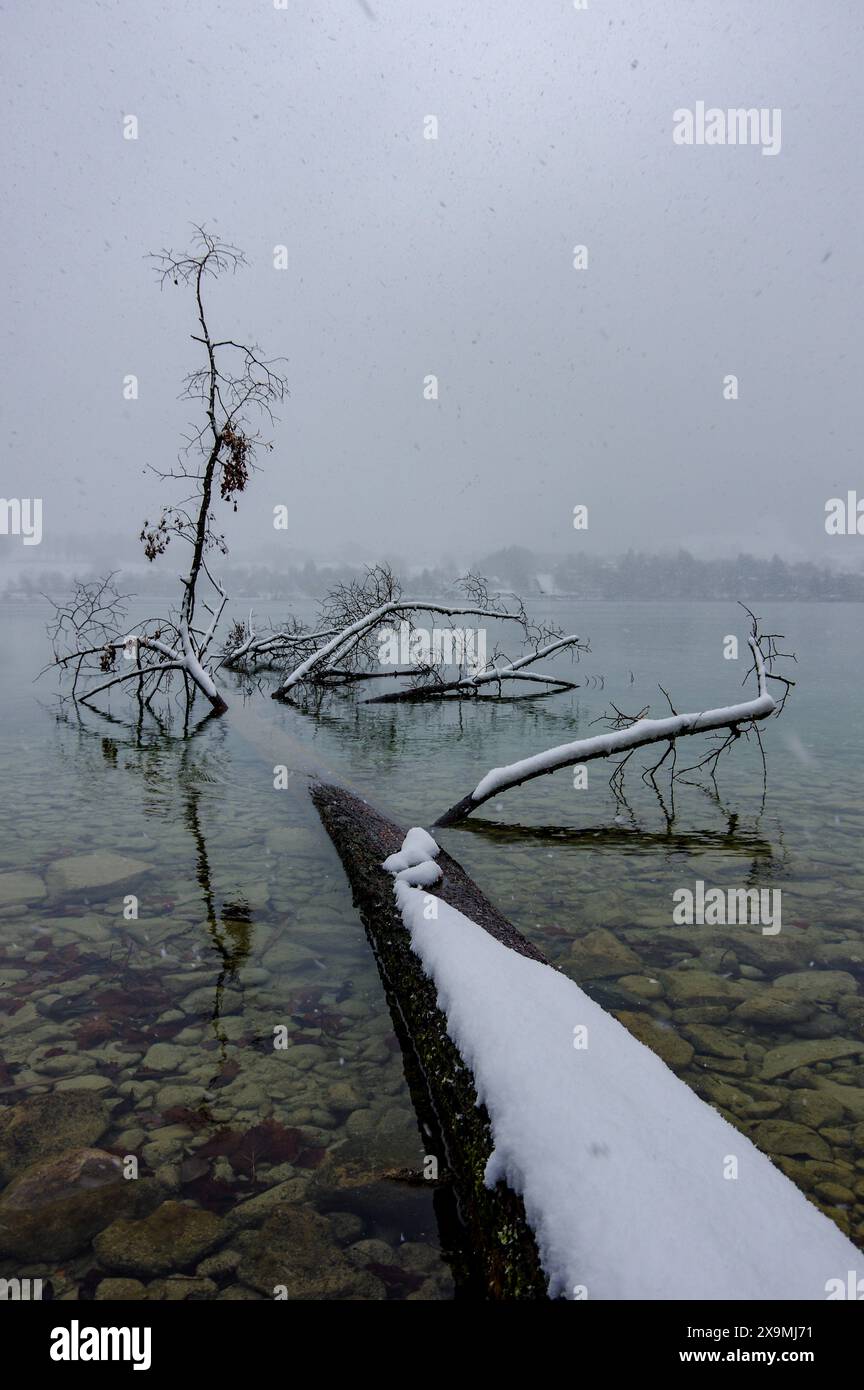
(815, 1108)
(288, 955)
(49, 1124)
(181, 1288)
(850, 1097)
(713, 1041)
(825, 986)
(342, 1097)
(643, 986)
(600, 954)
(841, 955)
(774, 1006)
(773, 954)
(728, 1066)
(674, 1050)
(346, 1226)
(295, 1256)
(794, 1140)
(360, 1122)
(702, 1013)
(164, 1057)
(806, 1053)
(20, 887)
(822, 1025)
(835, 1193)
(55, 1207)
(170, 1238)
(686, 987)
(367, 1252)
(120, 1291)
(91, 1082)
(419, 1256)
(257, 1209)
(20, 1021)
(216, 1266)
(727, 1097)
(95, 874)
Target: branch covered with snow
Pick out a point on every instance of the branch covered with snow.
(630, 734)
(355, 633)
(95, 650)
(492, 674)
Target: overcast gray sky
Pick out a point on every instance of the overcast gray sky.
(406, 256)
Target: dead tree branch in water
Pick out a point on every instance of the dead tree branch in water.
(627, 733)
(234, 383)
(354, 639)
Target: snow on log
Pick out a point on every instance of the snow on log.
(636, 735)
(623, 1171)
(499, 1252)
(584, 1167)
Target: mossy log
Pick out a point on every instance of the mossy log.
(498, 1256)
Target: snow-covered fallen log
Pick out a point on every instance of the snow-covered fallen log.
(568, 1140)
(626, 1176)
(623, 740)
(498, 1252)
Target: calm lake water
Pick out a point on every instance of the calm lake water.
(162, 1025)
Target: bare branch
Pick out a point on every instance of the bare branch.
(234, 382)
(627, 733)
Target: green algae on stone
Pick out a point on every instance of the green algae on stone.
(794, 1140)
(674, 1050)
(55, 1207)
(42, 1126)
(599, 954)
(171, 1237)
(295, 1257)
(807, 1053)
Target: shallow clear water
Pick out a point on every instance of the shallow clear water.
(245, 925)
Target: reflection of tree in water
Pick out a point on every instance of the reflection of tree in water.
(150, 750)
(109, 751)
(231, 928)
(768, 858)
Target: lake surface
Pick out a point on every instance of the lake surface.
(163, 1024)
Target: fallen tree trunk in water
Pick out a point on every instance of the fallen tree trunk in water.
(626, 737)
(500, 1244)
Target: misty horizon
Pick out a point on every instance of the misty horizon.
(379, 257)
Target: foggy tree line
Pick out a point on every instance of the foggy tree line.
(634, 575)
